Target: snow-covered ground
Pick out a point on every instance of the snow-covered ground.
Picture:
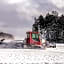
(32, 56)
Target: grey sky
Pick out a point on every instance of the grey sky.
(17, 16)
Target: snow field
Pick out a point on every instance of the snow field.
(29, 56)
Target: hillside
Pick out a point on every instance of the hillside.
(6, 36)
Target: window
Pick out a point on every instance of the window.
(35, 37)
(28, 36)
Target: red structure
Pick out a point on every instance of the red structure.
(33, 39)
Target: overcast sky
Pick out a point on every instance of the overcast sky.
(17, 16)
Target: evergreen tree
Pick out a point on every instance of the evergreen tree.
(53, 24)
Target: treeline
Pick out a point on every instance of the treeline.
(6, 36)
(52, 25)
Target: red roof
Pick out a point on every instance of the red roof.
(31, 32)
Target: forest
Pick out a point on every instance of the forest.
(51, 26)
